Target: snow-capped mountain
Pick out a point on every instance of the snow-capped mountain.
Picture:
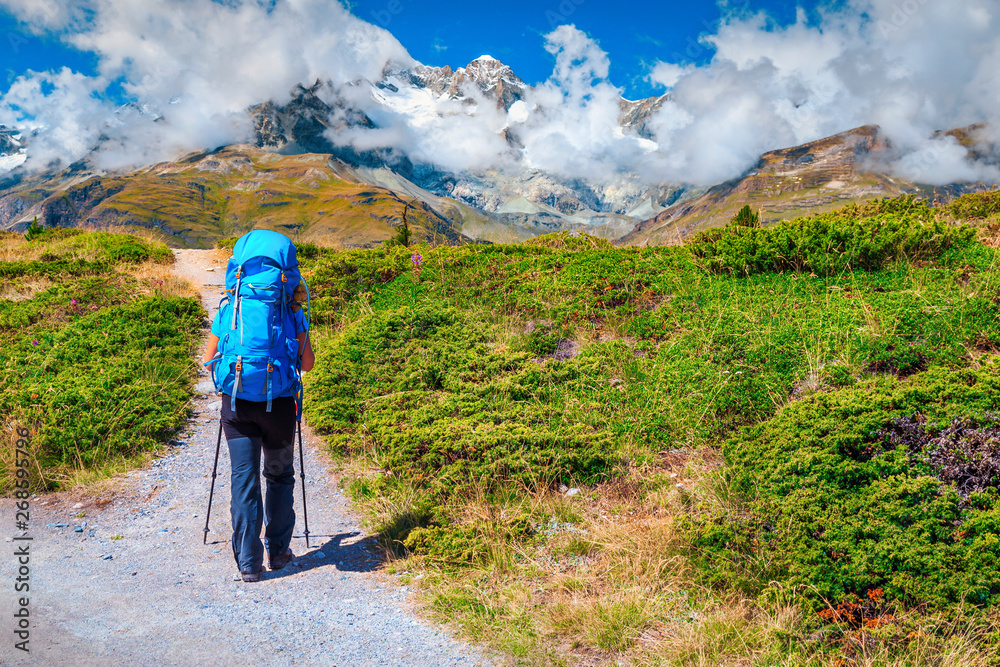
(388, 134)
(320, 115)
(389, 125)
(496, 80)
(12, 149)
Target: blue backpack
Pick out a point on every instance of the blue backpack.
(258, 356)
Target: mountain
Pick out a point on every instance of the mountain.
(12, 151)
(509, 204)
(527, 200)
(209, 195)
(791, 182)
(494, 79)
(304, 158)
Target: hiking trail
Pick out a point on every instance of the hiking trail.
(119, 574)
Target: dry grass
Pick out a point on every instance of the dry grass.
(604, 581)
(25, 289)
(13, 249)
(160, 278)
(10, 434)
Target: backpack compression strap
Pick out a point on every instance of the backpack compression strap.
(270, 388)
(236, 302)
(237, 382)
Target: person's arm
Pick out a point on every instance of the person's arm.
(212, 349)
(306, 351)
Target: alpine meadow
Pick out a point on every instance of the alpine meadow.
(548, 334)
(771, 444)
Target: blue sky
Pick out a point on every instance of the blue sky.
(635, 34)
(449, 32)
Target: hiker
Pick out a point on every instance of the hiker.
(258, 345)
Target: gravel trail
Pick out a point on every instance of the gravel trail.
(120, 575)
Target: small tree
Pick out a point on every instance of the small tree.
(34, 229)
(746, 217)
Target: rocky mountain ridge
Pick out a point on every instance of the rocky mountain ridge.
(791, 182)
(505, 203)
(317, 114)
(494, 79)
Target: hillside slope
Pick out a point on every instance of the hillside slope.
(209, 195)
(771, 446)
(813, 178)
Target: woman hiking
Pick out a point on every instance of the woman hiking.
(257, 348)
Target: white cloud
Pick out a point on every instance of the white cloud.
(667, 74)
(572, 129)
(57, 113)
(198, 64)
(912, 66)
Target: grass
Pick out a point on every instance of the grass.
(769, 446)
(98, 346)
(465, 392)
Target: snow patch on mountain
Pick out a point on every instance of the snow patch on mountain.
(12, 150)
(11, 162)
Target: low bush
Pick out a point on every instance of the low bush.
(859, 237)
(976, 205)
(98, 372)
(848, 492)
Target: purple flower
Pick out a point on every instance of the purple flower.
(72, 302)
(34, 342)
(416, 259)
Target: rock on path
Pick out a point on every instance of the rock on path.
(120, 575)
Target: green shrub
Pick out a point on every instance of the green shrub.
(98, 373)
(862, 237)
(58, 267)
(570, 241)
(34, 229)
(466, 544)
(746, 217)
(836, 509)
(976, 205)
(413, 378)
(519, 366)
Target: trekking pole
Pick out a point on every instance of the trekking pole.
(215, 469)
(302, 476)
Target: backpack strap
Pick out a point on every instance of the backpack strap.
(239, 306)
(270, 369)
(236, 297)
(213, 366)
(238, 382)
(300, 395)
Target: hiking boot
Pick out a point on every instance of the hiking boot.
(251, 577)
(281, 560)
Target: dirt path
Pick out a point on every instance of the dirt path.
(121, 576)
